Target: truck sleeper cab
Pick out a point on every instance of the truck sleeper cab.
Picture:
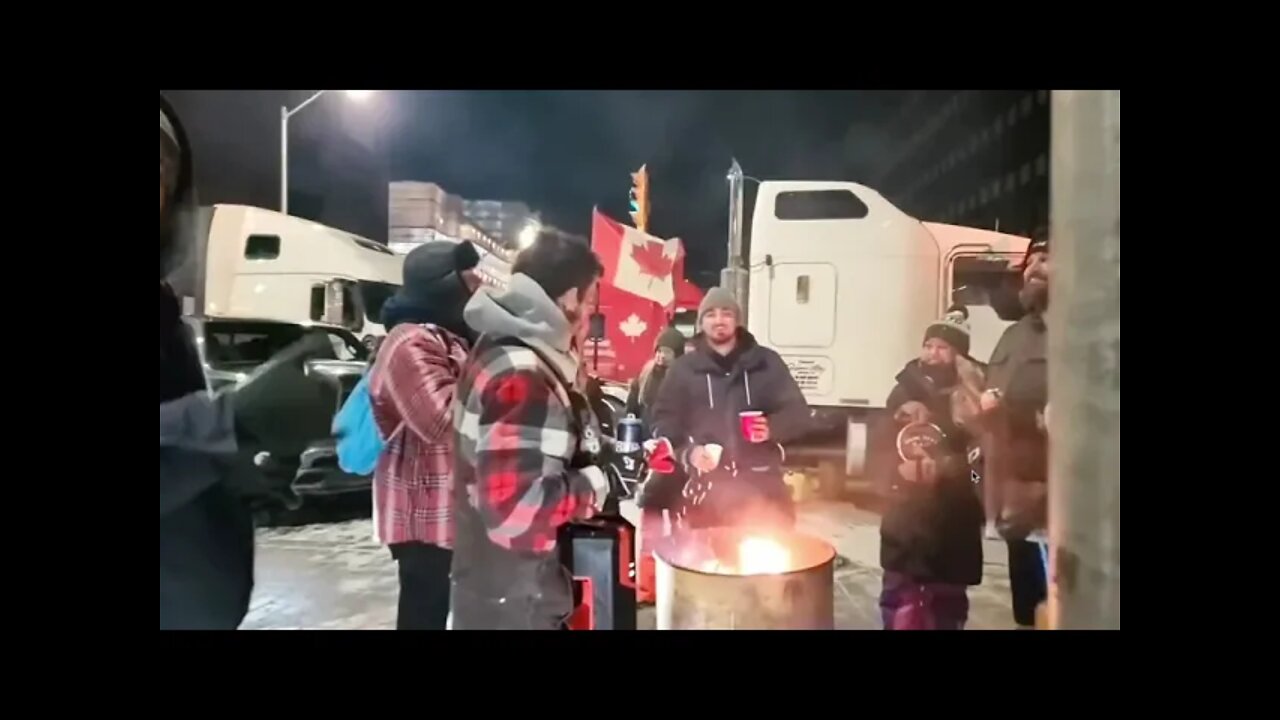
(259, 263)
(843, 284)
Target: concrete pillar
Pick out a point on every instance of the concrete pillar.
(1084, 361)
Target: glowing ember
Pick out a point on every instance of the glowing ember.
(755, 556)
(762, 556)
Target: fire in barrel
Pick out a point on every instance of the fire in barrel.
(744, 579)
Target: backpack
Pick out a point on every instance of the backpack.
(360, 442)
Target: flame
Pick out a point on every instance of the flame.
(762, 556)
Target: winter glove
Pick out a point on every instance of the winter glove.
(599, 485)
(659, 456)
(279, 408)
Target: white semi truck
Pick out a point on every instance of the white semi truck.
(261, 264)
(842, 284)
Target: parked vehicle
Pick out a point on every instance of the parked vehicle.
(231, 349)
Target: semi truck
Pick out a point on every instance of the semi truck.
(251, 262)
(842, 284)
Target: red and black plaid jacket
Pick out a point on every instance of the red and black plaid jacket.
(515, 443)
(412, 389)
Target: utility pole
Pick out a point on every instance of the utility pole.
(735, 276)
(1084, 361)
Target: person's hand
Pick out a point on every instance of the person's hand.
(924, 472)
(970, 374)
(990, 400)
(965, 407)
(279, 408)
(702, 460)
(659, 456)
(599, 485)
(912, 412)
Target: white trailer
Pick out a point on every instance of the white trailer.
(259, 263)
(842, 284)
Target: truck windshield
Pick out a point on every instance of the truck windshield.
(240, 344)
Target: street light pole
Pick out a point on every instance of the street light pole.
(284, 160)
(285, 114)
(1084, 361)
(735, 277)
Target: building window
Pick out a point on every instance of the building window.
(1042, 165)
(973, 145)
(1010, 181)
(995, 189)
(985, 137)
(999, 126)
(1026, 105)
(1012, 117)
(982, 195)
(1025, 173)
(1042, 96)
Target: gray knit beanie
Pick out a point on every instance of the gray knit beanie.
(718, 298)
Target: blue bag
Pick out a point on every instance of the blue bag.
(360, 442)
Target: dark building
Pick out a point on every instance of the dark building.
(975, 157)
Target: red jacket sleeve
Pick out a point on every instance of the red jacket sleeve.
(416, 373)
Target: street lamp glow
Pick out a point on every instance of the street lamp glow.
(528, 235)
(285, 114)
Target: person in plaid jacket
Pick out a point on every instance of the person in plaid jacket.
(522, 469)
(412, 389)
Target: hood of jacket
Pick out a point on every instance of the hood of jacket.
(525, 311)
(177, 224)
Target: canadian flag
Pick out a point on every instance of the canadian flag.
(632, 326)
(635, 262)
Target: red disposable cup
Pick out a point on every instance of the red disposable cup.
(749, 420)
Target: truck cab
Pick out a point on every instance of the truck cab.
(258, 263)
(842, 284)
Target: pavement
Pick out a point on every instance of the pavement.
(332, 575)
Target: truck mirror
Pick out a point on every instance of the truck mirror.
(596, 329)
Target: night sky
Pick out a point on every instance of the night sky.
(560, 151)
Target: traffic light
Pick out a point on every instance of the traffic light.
(640, 198)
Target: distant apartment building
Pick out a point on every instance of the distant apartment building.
(978, 158)
(501, 219)
(419, 212)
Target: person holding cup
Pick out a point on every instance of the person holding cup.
(728, 408)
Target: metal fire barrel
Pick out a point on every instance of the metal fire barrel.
(701, 583)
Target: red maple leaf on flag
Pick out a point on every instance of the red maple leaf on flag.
(651, 260)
